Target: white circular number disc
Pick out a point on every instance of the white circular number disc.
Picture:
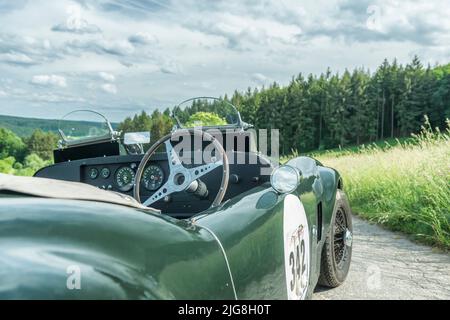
(296, 248)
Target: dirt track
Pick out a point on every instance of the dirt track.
(386, 265)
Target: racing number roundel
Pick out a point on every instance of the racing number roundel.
(296, 248)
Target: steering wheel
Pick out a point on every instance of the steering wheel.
(180, 177)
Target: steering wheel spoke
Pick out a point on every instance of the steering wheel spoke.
(163, 191)
(200, 171)
(172, 156)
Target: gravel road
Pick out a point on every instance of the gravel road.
(386, 265)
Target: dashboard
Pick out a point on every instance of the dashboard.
(117, 173)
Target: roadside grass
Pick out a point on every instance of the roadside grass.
(405, 187)
(381, 144)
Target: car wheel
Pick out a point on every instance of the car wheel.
(337, 249)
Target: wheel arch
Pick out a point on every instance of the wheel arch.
(332, 182)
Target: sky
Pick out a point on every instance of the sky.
(123, 56)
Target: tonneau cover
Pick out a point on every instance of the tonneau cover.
(59, 189)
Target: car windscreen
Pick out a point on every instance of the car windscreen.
(84, 125)
(206, 112)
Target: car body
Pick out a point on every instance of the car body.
(63, 237)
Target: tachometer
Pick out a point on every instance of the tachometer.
(125, 178)
(153, 178)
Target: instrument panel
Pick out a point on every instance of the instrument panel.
(121, 177)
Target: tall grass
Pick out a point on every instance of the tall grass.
(405, 187)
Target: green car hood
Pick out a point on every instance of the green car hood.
(119, 253)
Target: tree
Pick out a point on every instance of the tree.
(334, 109)
(360, 115)
(140, 122)
(11, 145)
(42, 144)
(414, 99)
(161, 125)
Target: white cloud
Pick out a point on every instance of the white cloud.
(142, 38)
(260, 79)
(109, 88)
(25, 51)
(101, 46)
(49, 80)
(170, 67)
(19, 94)
(54, 98)
(75, 23)
(242, 31)
(81, 28)
(107, 76)
(16, 58)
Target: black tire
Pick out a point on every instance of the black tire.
(337, 249)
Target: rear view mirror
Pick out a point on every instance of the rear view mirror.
(130, 138)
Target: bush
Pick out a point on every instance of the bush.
(11, 145)
(31, 164)
(6, 165)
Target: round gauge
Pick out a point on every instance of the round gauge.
(153, 178)
(105, 173)
(93, 173)
(125, 178)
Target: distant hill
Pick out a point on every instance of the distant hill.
(24, 127)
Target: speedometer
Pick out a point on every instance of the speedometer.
(153, 178)
(125, 178)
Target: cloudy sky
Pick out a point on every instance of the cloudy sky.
(123, 56)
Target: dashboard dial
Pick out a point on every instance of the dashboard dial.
(93, 173)
(105, 173)
(153, 178)
(125, 178)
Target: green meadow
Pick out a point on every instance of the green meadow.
(403, 185)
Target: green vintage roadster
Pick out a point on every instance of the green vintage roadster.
(200, 214)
